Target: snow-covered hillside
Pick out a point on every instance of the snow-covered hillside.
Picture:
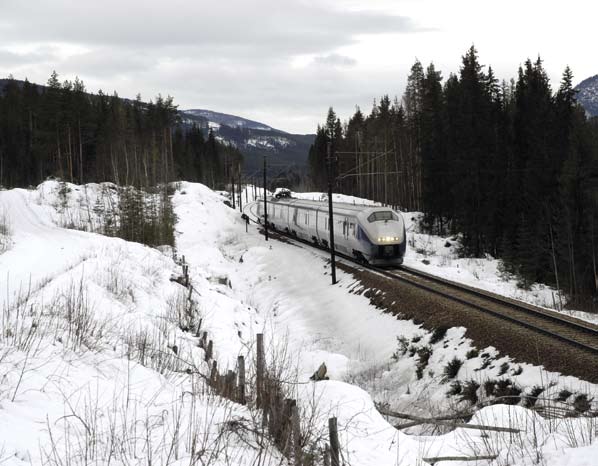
(587, 95)
(252, 138)
(94, 355)
(226, 119)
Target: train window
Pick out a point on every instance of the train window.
(295, 216)
(352, 229)
(306, 218)
(383, 215)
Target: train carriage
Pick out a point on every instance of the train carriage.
(372, 234)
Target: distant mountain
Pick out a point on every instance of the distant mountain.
(254, 140)
(228, 120)
(587, 95)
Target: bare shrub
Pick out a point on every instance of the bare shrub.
(503, 391)
(469, 392)
(423, 355)
(182, 311)
(563, 395)
(452, 368)
(455, 388)
(472, 353)
(82, 328)
(530, 399)
(504, 367)
(438, 334)
(197, 428)
(5, 232)
(403, 345)
(582, 403)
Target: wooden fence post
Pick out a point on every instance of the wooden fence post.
(229, 382)
(334, 443)
(296, 435)
(209, 351)
(241, 394)
(287, 426)
(214, 374)
(259, 374)
(326, 455)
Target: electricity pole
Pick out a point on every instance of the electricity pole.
(330, 166)
(240, 190)
(232, 183)
(265, 202)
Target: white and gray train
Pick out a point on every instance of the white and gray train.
(375, 235)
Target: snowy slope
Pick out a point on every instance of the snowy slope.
(226, 119)
(78, 392)
(87, 370)
(311, 322)
(587, 95)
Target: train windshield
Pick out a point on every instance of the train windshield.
(383, 215)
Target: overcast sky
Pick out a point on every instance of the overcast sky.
(284, 62)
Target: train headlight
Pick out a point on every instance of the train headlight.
(387, 239)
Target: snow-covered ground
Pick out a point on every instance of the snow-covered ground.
(439, 256)
(89, 323)
(88, 373)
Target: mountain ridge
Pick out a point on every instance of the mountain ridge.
(228, 119)
(587, 95)
(253, 138)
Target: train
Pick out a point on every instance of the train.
(370, 234)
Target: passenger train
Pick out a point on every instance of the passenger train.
(375, 235)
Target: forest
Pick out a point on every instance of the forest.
(60, 130)
(511, 167)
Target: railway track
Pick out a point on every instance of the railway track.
(567, 330)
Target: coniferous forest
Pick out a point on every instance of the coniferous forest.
(61, 130)
(511, 166)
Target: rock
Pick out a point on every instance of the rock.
(320, 374)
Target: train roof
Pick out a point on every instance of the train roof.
(339, 207)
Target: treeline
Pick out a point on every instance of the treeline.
(511, 166)
(61, 130)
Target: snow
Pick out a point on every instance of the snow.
(314, 196)
(268, 142)
(76, 308)
(439, 256)
(70, 384)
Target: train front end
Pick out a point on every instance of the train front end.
(383, 237)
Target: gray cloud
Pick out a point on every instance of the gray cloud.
(233, 56)
(39, 54)
(291, 26)
(334, 59)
